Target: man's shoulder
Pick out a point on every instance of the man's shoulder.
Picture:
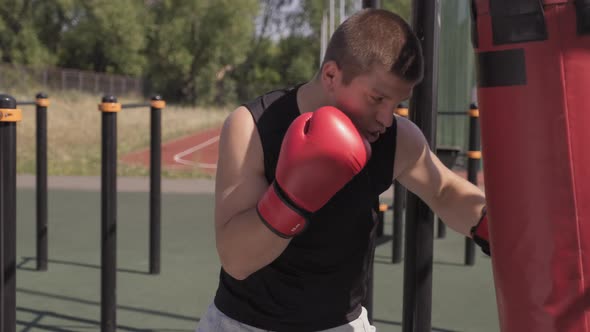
(408, 130)
(259, 105)
(238, 118)
(410, 144)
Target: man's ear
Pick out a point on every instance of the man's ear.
(330, 75)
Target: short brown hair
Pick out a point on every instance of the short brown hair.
(376, 36)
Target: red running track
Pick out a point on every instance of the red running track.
(200, 151)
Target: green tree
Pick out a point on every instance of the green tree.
(259, 73)
(312, 10)
(193, 45)
(18, 37)
(107, 36)
(52, 18)
(281, 55)
(400, 7)
(297, 60)
(203, 51)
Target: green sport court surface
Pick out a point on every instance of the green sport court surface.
(67, 296)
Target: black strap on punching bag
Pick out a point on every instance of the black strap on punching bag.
(517, 21)
(583, 16)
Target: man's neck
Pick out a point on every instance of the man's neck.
(311, 96)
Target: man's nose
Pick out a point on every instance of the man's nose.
(385, 116)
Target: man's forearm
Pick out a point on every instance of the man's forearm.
(460, 204)
(246, 245)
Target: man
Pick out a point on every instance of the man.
(298, 173)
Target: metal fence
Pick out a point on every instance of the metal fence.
(68, 79)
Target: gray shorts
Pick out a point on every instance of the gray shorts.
(216, 321)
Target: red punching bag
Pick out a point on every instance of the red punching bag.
(533, 60)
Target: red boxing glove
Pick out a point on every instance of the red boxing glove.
(320, 153)
(481, 234)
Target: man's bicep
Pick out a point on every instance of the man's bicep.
(419, 169)
(240, 179)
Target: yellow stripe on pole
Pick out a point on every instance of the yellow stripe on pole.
(10, 115)
(474, 154)
(109, 107)
(402, 111)
(158, 104)
(43, 102)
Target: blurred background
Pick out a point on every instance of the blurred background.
(203, 56)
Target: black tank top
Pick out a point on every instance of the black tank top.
(320, 280)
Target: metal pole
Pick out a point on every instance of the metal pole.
(109, 108)
(368, 303)
(399, 202)
(323, 37)
(441, 230)
(42, 103)
(381, 208)
(371, 4)
(331, 15)
(157, 104)
(9, 115)
(417, 297)
(474, 156)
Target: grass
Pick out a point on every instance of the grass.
(74, 129)
(74, 133)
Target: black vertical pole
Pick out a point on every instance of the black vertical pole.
(368, 303)
(417, 297)
(380, 208)
(371, 3)
(9, 115)
(42, 103)
(441, 230)
(109, 108)
(157, 104)
(474, 156)
(399, 202)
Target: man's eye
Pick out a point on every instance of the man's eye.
(377, 99)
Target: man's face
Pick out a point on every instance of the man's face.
(370, 99)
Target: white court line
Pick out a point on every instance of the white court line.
(178, 157)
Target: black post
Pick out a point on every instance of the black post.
(42, 103)
(371, 3)
(368, 303)
(441, 230)
(474, 156)
(417, 297)
(399, 203)
(109, 108)
(9, 115)
(157, 104)
(380, 208)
